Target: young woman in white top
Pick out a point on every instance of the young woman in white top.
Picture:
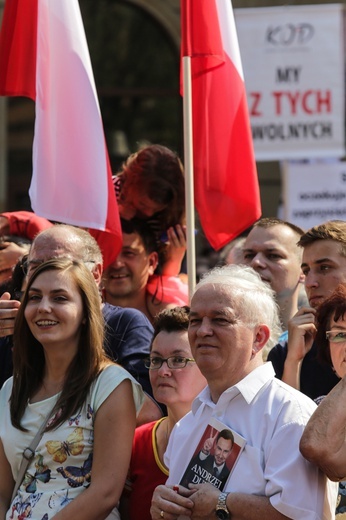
(60, 370)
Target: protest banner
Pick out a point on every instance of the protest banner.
(293, 60)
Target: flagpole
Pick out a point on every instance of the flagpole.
(188, 167)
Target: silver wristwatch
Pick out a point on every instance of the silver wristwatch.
(221, 510)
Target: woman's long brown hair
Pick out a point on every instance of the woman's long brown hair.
(28, 354)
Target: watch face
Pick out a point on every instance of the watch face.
(223, 515)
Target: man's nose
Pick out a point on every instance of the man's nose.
(311, 279)
(119, 262)
(205, 327)
(258, 261)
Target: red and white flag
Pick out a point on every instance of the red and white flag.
(225, 177)
(44, 55)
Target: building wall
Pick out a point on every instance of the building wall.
(17, 141)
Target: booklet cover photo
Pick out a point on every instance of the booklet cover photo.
(215, 457)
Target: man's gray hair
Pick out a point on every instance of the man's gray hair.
(79, 240)
(254, 299)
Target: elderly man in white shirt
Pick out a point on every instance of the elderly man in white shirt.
(233, 314)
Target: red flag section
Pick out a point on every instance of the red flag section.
(44, 55)
(200, 35)
(18, 39)
(225, 177)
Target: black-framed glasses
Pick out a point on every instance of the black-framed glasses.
(173, 362)
(336, 336)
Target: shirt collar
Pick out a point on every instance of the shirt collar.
(203, 397)
(250, 386)
(247, 387)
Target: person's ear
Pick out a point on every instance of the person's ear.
(97, 273)
(153, 262)
(301, 277)
(261, 337)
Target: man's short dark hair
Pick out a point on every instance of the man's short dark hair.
(330, 230)
(141, 228)
(268, 222)
(225, 434)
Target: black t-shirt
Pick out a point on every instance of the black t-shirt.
(128, 338)
(6, 365)
(316, 379)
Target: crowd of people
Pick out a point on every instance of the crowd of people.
(122, 396)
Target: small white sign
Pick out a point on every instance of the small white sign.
(293, 61)
(314, 192)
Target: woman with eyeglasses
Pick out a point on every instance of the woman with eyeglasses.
(176, 381)
(323, 441)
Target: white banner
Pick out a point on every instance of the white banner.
(293, 60)
(314, 192)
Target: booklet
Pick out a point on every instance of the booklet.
(215, 457)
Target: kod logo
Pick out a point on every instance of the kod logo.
(290, 34)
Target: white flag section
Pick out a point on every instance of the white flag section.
(314, 192)
(293, 60)
(69, 155)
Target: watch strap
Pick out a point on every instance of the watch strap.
(221, 507)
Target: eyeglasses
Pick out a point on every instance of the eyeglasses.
(336, 336)
(28, 267)
(173, 362)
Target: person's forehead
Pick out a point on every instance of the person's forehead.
(54, 282)
(56, 279)
(323, 250)
(222, 441)
(146, 201)
(173, 342)
(132, 240)
(45, 250)
(341, 322)
(213, 297)
(275, 237)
